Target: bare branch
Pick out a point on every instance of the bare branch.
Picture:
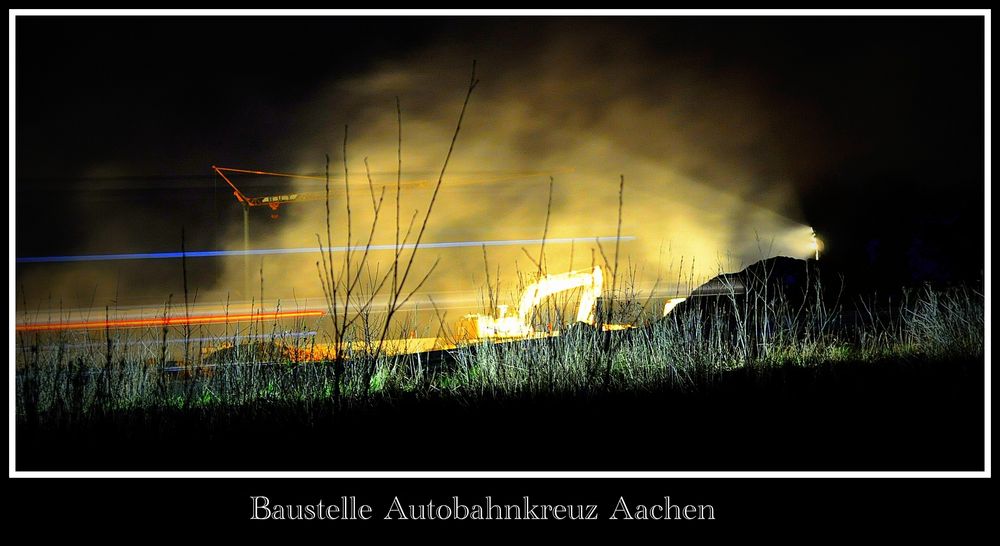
(532, 260)
(545, 232)
(437, 187)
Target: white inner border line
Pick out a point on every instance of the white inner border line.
(11, 120)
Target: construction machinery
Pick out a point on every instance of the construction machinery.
(275, 201)
(510, 326)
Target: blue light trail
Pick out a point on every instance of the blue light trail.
(305, 250)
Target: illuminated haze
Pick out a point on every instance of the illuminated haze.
(703, 147)
(703, 189)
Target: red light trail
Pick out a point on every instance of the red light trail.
(164, 321)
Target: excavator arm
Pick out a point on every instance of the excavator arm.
(504, 326)
(590, 281)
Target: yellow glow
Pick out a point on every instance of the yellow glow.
(327, 351)
(671, 303)
(615, 327)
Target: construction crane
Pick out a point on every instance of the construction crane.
(274, 202)
(271, 201)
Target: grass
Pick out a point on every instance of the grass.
(686, 350)
(899, 389)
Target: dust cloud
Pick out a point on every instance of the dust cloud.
(704, 186)
(703, 146)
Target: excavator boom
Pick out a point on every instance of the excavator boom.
(590, 281)
(504, 326)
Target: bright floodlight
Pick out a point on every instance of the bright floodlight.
(814, 244)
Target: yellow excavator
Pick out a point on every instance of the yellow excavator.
(509, 326)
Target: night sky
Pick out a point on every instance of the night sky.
(877, 123)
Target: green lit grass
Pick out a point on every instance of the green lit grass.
(685, 351)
